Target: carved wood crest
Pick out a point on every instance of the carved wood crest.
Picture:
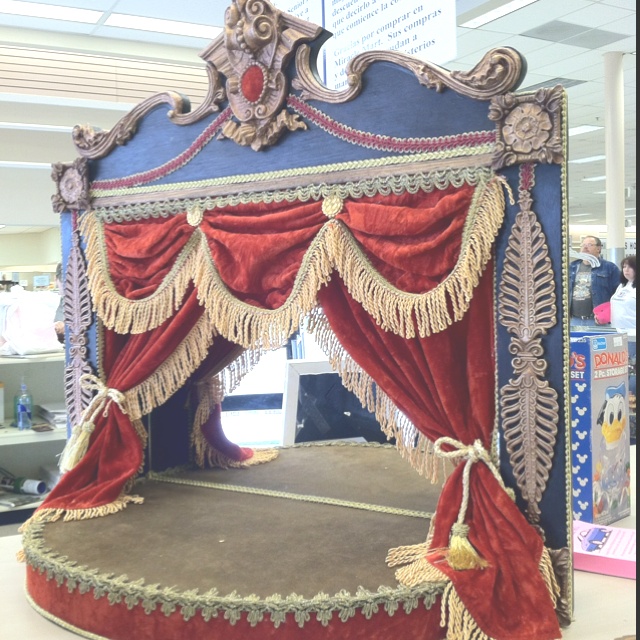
(258, 43)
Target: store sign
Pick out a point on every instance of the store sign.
(309, 10)
(424, 29)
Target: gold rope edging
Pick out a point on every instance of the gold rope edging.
(300, 497)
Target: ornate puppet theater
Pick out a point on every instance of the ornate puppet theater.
(418, 218)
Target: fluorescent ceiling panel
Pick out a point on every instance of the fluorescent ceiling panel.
(50, 11)
(585, 128)
(500, 12)
(162, 26)
(587, 160)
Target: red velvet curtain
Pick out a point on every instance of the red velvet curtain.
(115, 453)
(445, 385)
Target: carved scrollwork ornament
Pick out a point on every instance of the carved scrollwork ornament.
(72, 186)
(529, 127)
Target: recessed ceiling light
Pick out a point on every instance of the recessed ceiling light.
(585, 160)
(585, 128)
(594, 179)
(162, 26)
(51, 11)
(489, 16)
(600, 192)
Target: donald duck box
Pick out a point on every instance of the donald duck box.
(600, 434)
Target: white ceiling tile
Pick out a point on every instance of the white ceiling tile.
(599, 16)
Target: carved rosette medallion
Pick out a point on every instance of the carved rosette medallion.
(72, 182)
(528, 127)
(257, 49)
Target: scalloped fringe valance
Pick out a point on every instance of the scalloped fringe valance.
(334, 248)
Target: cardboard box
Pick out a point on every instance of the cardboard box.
(607, 550)
(600, 433)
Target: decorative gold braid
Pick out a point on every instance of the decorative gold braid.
(425, 181)
(269, 177)
(133, 316)
(234, 607)
(411, 444)
(299, 497)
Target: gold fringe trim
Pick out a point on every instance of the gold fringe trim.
(20, 556)
(412, 445)
(43, 516)
(133, 316)
(171, 374)
(333, 248)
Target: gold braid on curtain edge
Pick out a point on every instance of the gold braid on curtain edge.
(453, 614)
(411, 444)
(333, 248)
(212, 391)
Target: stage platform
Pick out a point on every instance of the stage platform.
(291, 549)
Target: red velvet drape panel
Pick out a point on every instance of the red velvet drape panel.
(115, 454)
(445, 385)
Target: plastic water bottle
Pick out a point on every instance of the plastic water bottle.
(23, 408)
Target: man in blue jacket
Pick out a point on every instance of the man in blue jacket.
(592, 281)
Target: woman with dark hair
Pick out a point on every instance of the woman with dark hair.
(623, 301)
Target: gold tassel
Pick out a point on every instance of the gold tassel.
(20, 556)
(461, 554)
(76, 447)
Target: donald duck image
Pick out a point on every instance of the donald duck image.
(612, 418)
(611, 473)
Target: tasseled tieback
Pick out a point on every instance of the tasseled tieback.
(78, 444)
(461, 554)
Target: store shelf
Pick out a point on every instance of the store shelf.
(38, 358)
(11, 436)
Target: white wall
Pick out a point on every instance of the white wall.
(30, 251)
